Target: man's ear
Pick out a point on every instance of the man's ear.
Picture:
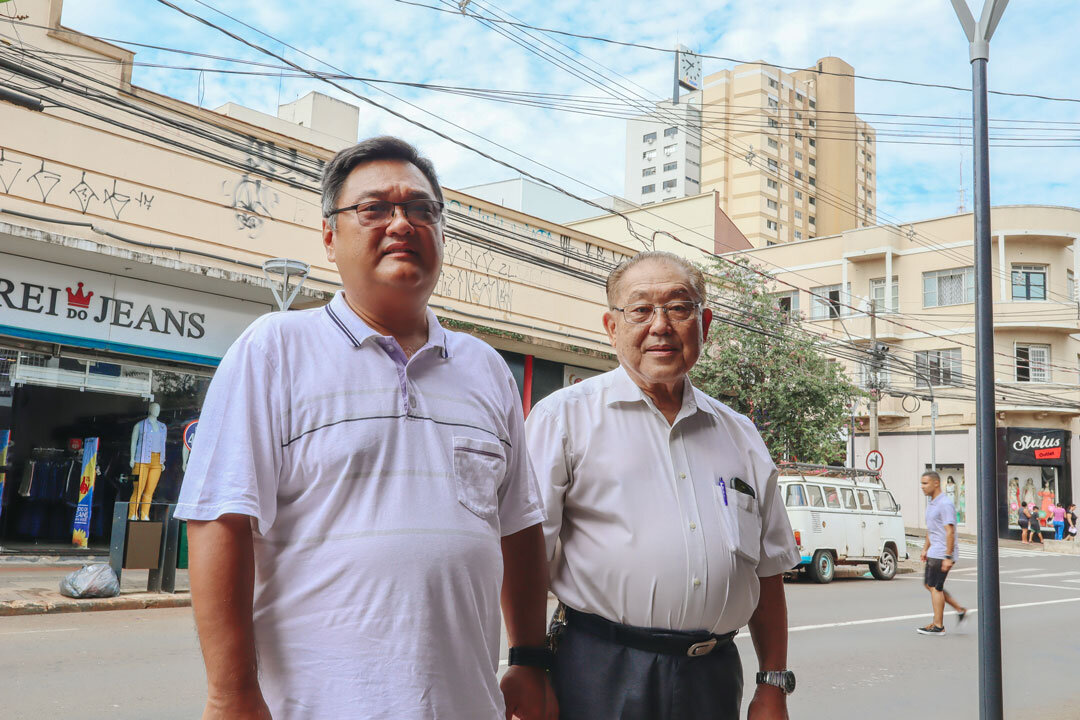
(609, 325)
(328, 237)
(706, 321)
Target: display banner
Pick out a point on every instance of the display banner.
(5, 440)
(70, 305)
(1035, 446)
(80, 533)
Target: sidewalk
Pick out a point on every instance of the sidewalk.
(30, 585)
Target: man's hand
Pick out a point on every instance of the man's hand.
(768, 704)
(526, 692)
(239, 706)
(922, 557)
(946, 564)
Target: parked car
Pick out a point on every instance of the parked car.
(842, 516)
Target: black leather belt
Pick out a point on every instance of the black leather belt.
(668, 642)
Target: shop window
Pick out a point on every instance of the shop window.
(1029, 282)
(1033, 363)
(949, 287)
(796, 496)
(940, 367)
(955, 486)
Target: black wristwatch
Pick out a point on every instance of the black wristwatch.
(530, 657)
(783, 679)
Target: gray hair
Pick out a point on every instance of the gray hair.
(697, 278)
(384, 147)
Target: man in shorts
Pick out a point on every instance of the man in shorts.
(938, 551)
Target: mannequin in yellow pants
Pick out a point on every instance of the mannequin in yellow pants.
(143, 492)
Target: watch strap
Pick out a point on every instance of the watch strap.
(530, 657)
(782, 679)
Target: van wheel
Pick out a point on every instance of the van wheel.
(822, 569)
(885, 567)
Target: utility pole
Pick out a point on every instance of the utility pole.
(990, 681)
(875, 373)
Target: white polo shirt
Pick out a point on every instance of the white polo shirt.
(640, 529)
(380, 488)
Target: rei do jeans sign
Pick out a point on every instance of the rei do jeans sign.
(71, 306)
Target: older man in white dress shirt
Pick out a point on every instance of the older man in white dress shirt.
(665, 531)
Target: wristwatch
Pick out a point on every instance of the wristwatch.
(783, 679)
(948, 557)
(530, 657)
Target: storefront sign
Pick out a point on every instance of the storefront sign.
(68, 305)
(573, 375)
(80, 532)
(5, 440)
(1034, 446)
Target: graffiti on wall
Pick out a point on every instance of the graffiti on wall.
(476, 276)
(252, 199)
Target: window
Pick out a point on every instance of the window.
(812, 201)
(813, 162)
(668, 167)
(773, 164)
(787, 302)
(815, 496)
(648, 155)
(796, 496)
(773, 83)
(848, 497)
(868, 156)
(771, 204)
(798, 215)
(648, 171)
(813, 124)
(799, 96)
(646, 189)
(940, 367)
(773, 143)
(648, 137)
(827, 302)
(771, 184)
(864, 500)
(813, 142)
(798, 136)
(798, 195)
(869, 194)
(798, 155)
(813, 104)
(812, 180)
(877, 295)
(832, 497)
(798, 235)
(773, 103)
(1070, 284)
(669, 150)
(812, 219)
(1029, 282)
(671, 132)
(798, 175)
(885, 502)
(869, 177)
(798, 116)
(670, 184)
(1032, 363)
(949, 287)
(691, 180)
(773, 123)
(771, 224)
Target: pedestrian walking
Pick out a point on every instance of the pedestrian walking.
(1058, 515)
(665, 529)
(1024, 520)
(1070, 516)
(1035, 525)
(939, 552)
(359, 494)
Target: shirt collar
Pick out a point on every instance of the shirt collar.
(624, 389)
(357, 332)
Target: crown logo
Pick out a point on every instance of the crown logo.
(79, 299)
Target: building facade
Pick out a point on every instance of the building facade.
(918, 281)
(663, 152)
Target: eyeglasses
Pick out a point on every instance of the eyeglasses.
(421, 212)
(677, 311)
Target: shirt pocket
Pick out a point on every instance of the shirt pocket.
(479, 465)
(747, 526)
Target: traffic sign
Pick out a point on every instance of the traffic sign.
(875, 460)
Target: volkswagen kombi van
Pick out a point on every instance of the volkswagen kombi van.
(842, 516)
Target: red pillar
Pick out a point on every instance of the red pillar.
(526, 400)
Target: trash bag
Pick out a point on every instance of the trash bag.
(91, 581)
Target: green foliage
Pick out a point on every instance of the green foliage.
(766, 365)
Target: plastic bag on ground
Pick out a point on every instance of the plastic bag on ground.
(91, 581)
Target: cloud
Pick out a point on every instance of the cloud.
(910, 39)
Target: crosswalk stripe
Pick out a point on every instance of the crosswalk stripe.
(1052, 574)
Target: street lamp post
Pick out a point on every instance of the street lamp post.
(990, 681)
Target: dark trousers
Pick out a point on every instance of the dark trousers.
(598, 679)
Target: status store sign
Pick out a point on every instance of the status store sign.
(80, 531)
(69, 305)
(1033, 446)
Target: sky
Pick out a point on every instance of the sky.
(1034, 51)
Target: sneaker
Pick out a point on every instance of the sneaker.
(930, 630)
(960, 616)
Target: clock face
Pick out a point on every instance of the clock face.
(689, 70)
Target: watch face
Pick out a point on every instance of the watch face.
(788, 678)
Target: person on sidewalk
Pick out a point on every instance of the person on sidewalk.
(938, 552)
(1024, 520)
(359, 494)
(1058, 515)
(1070, 516)
(666, 531)
(1035, 525)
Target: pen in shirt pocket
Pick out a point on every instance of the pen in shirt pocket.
(723, 489)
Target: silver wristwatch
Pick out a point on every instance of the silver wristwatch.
(783, 679)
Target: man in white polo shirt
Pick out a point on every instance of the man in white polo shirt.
(665, 530)
(359, 493)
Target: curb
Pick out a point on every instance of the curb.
(45, 602)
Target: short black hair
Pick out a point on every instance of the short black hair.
(384, 147)
(932, 474)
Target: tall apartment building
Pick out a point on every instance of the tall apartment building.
(663, 152)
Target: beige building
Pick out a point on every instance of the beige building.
(919, 279)
(786, 153)
(133, 233)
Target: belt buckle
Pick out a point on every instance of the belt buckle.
(701, 648)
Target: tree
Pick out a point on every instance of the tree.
(761, 361)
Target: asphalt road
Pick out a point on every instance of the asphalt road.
(853, 646)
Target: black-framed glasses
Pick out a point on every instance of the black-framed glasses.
(421, 212)
(676, 311)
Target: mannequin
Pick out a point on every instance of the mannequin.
(147, 461)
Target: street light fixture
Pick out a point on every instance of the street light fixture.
(286, 268)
